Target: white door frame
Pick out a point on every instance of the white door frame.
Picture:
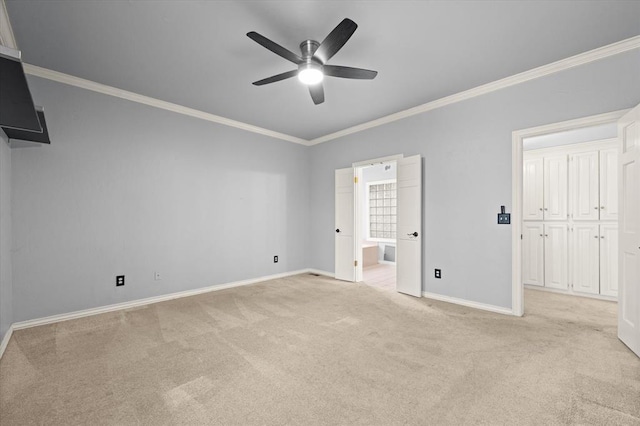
(358, 166)
(517, 292)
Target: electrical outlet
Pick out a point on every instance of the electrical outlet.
(275, 259)
(157, 276)
(438, 273)
(119, 280)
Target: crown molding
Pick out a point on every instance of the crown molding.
(157, 103)
(542, 71)
(7, 38)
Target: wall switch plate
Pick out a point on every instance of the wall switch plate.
(119, 280)
(438, 273)
(157, 276)
(275, 259)
(504, 218)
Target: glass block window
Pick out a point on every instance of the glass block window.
(382, 210)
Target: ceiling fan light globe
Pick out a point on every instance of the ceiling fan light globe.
(310, 76)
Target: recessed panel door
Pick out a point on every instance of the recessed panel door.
(532, 180)
(629, 230)
(409, 217)
(609, 259)
(609, 184)
(555, 256)
(584, 184)
(533, 253)
(555, 187)
(345, 256)
(585, 255)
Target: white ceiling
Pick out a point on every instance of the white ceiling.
(197, 54)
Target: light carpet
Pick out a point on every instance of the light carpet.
(308, 350)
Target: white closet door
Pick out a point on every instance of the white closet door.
(409, 216)
(629, 232)
(584, 186)
(585, 254)
(555, 187)
(609, 259)
(609, 184)
(345, 255)
(533, 183)
(555, 256)
(533, 253)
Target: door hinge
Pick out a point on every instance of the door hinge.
(355, 263)
(355, 179)
(521, 237)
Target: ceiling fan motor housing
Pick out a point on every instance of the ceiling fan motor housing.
(308, 48)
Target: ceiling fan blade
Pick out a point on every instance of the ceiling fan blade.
(348, 72)
(274, 47)
(277, 77)
(335, 40)
(317, 93)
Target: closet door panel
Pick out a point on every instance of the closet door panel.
(533, 254)
(609, 184)
(585, 254)
(609, 259)
(532, 195)
(555, 256)
(584, 186)
(555, 187)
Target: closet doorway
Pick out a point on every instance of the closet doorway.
(588, 239)
(570, 212)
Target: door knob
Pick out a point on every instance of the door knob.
(338, 230)
(601, 207)
(540, 208)
(595, 208)
(415, 234)
(595, 236)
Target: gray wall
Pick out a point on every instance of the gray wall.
(6, 296)
(467, 170)
(130, 189)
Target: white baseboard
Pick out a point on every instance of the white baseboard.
(5, 340)
(321, 272)
(148, 301)
(568, 293)
(468, 303)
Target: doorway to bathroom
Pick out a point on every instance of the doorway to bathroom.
(377, 223)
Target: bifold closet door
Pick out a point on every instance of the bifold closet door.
(555, 256)
(533, 253)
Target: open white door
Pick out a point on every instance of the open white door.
(345, 265)
(409, 214)
(629, 230)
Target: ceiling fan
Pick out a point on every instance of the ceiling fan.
(312, 64)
